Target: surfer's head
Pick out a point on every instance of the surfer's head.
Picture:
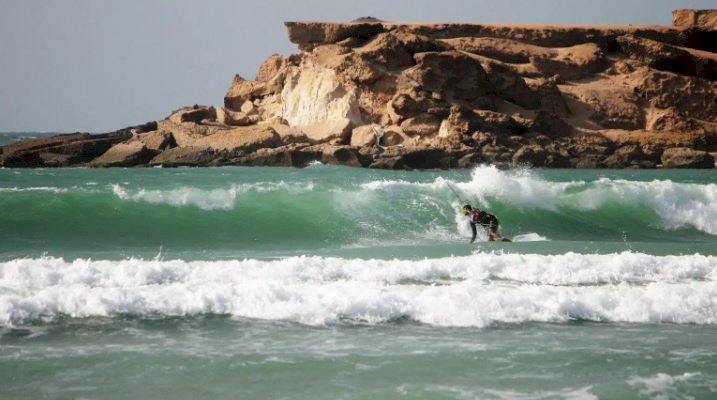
(467, 209)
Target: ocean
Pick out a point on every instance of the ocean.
(333, 282)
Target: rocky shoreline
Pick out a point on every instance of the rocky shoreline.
(411, 96)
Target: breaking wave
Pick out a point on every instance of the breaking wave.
(478, 290)
(672, 204)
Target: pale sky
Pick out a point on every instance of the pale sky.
(101, 65)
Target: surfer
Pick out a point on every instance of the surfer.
(489, 221)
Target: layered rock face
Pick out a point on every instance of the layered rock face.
(701, 19)
(388, 95)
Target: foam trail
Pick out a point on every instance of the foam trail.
(475, 290)
(530, 237)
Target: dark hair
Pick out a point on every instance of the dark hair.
(468, 206)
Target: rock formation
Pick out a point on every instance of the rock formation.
(392, 95)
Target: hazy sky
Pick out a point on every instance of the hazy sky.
(101, 65)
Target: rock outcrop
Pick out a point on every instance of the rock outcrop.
(683, 157)
(700, 19)
(376, 94)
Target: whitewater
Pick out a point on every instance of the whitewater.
(359, 282)
(476, 291)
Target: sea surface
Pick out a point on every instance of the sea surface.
(340, 283)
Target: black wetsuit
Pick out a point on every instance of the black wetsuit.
(485, 219)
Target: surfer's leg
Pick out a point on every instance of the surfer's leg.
(493, 233)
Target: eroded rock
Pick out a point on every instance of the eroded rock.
(326, 130)
(683, 157)
(455, 74)
(125, 155)
(314, 95)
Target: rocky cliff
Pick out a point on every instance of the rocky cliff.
(394, 95)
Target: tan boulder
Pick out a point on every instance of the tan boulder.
(340, 155)
(240, 139)
(289, 135)
(236, 118)
(156, 140)
(327, 130)
(364, 135)
(422, 125)
(248, 107)
(392, 136)
(125, 155)
(702, 19)
(242, 90)
(272, 73)
(271, 67)
(684, 157)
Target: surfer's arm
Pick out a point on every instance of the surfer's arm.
(475, 232)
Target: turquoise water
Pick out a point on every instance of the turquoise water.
(334, 282)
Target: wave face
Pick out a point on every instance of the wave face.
(665, 203)
(250, 212)
(477, 290)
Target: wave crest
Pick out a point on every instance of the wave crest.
(206, 199)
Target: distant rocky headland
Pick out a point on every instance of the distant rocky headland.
(377, 94)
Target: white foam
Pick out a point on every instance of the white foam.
(661, 386)
(206, 199)
(530, 237)
(476, 290)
